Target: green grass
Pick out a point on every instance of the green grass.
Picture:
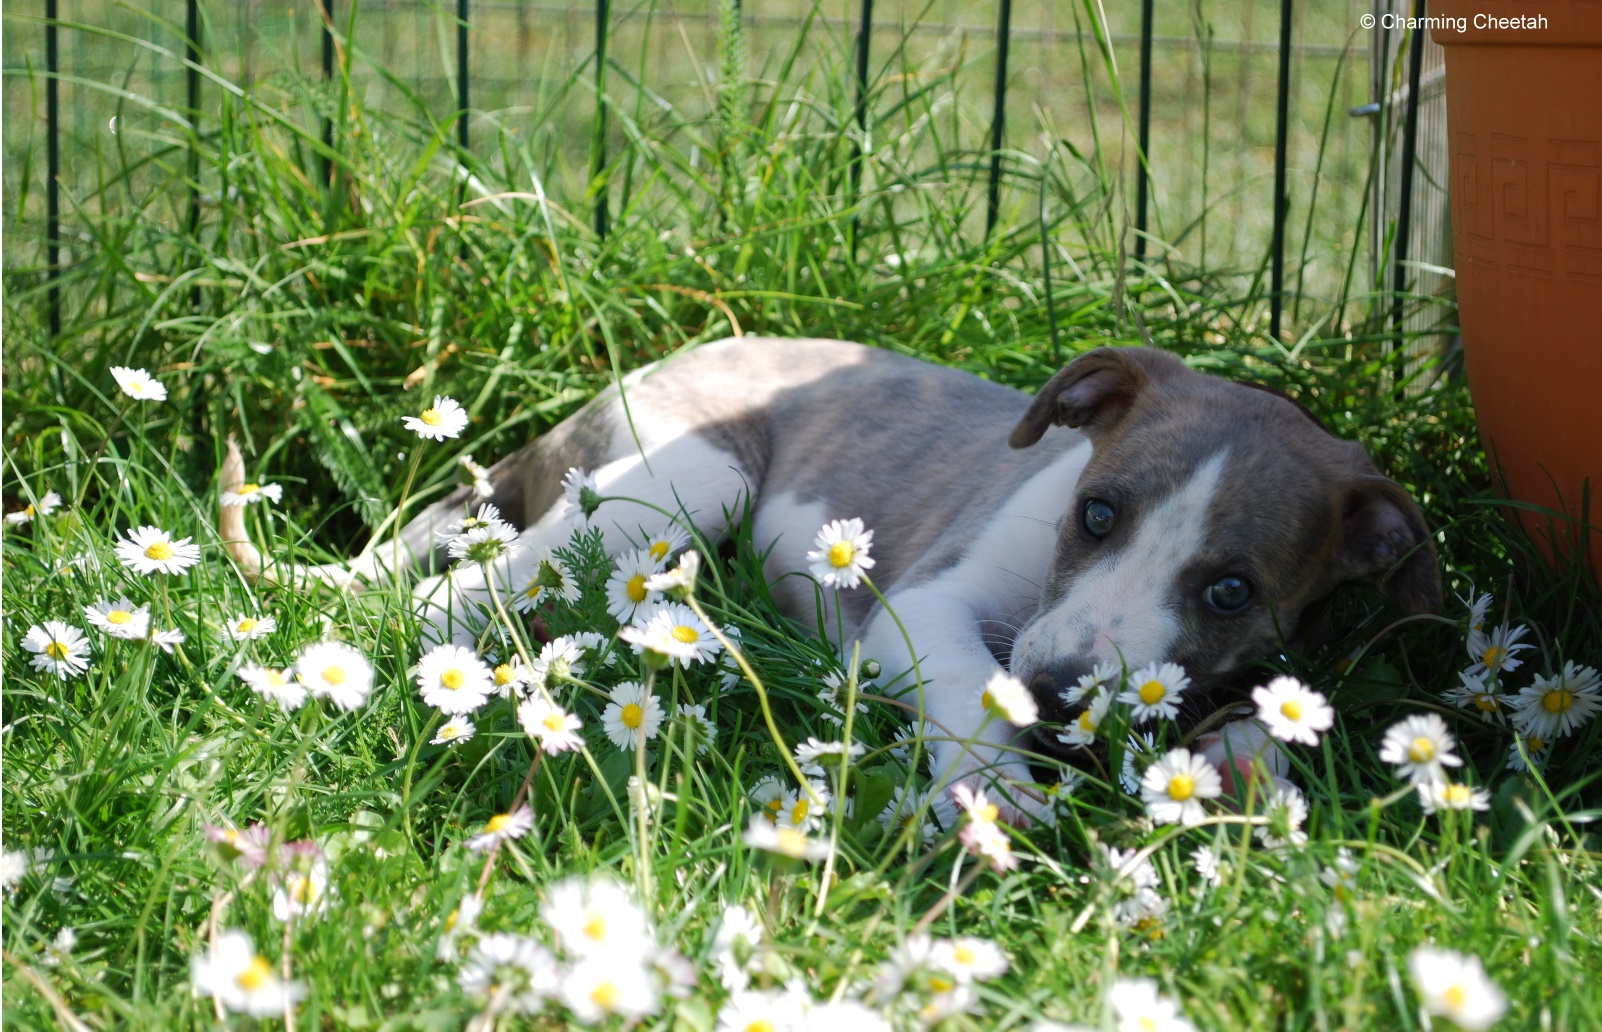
(323, 312)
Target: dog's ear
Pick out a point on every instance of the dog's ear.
(1092, 392)
(1384, 536)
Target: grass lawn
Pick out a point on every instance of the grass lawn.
(155, 805)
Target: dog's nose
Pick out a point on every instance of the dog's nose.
(1047, 686)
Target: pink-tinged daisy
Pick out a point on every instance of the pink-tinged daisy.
(1174, 786)
(981, 834)
(513, 970)
(553, 727)
(1454, 985)
(43, 507)
(274, 684)
(1421, 747)
(454, 680)
(57, 648)
(242, 979)
(454, 730)
(1557, 706)
(1006, 697)
(334, 671)
(249, 628)
(1154, 691)
(152, 550)
(841, 557)
(248, 847)
(1293, 712)
(503, 827)
(251, 493)
(138, 384)
(119, 619)
(445, 418)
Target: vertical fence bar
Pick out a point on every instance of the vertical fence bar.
(52, 169)
(1404, 214)
(1281, 201)
(328, 75)
(1145, 128)
(192, 96)
(461, 74)
(598, 142)
(998, 120)
(864, 34)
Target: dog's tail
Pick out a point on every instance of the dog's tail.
(236, 539)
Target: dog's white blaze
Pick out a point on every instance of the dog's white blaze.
(1123, 606)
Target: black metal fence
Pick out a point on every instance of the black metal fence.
(328, 18)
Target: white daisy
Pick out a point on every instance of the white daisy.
(679, 582)
(1497, 652)
(512, 969)
(1557, 706)
(626, 592)
(14, 866)
(152, 550)
(1081, 731)
(1139, 746)
(251, 493)
(57, 647)
(737, 948)
(487, 516)
(1535, 748)
(444, 419)
(909, 809)
(1208, 866)
(1341, 877)
(1478, 609)
(673, 632)
(453, 679)
(1006, 697)
(1485, 699)
(548, 578)
(664, 545)
(462, 920)
(1140, 1009)
(456, 729)
(1101, 675)
(771, 1011)
(303, 891)
(167, 640)
(596, 918)
(554, 728)
(703, 732)
(486, 543)
(1174, 786)
(249, 628)
(582, 491)
(1292, 711)
(969, 959)
(1454, 985)
(981, 834)
(274, 684)
(804, 809)
(138, 384)
(503, 827)
(119, 619)
(768, 795)
(842, 554)
(784, 840)
(43, 507)
(1446, 795)
(809, 752)
(602, 986)
(482, 487)
(1286, 810)
(631, 711)
(833, 695)
(901, 748)
(1129, 870)
(242, 979)
(1420, 746)
(511, 677)
(337, 672)
(559, 660)
(1154, 691)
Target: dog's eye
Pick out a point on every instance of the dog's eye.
(1228, 594)
(1098, 518)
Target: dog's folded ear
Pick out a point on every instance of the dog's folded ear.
(1384, 537)
(1092, 392)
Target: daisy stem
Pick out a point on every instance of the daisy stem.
(289, 1003)
(511, 628)
(840, 789)
(951, 896)
(644, 872)
(400, 512)
(917, 671)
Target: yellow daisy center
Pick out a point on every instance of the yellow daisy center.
(659, 550)
(941, 985)
(256, 974)
(119, 616)
(450, 919)
(988, 813)
(432, 417)
(1455, 997)
(276, 678)
(503, 675)
(759, 1025)
(1486, 702)
(798, 812)
(633, 715)
(604, 996)
(497, 823)
(1087, 723)
(987, 700)
(449, 731)
(244, 626)
(29, 511)
(1534, 744)
(1181, 787)
(160, 551)
(453, 679)
(303, 890)
(56, 650)
(773, 807)
(636, 588)
(1457, 795)
(334, 674)
(1557, 701)
(554, 722)
(686, 634)
(1152, 692)
(964, 956)
(1147, 1024)
(841, 553)
(1290, 709)
(1493, 657)
(595, 928)
(791, 842)
(1422, 750)
(245, 489)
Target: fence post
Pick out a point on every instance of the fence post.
(1281, 201)
(598, 141)
(327, 7)
(998, 120)
(1404, 215)
(192, 74)
(1145, 128)
(864, 32)
(461, 74)
(52, 169)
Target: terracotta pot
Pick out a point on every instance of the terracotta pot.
(1524, 113)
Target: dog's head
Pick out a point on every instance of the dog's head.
(1211, 523)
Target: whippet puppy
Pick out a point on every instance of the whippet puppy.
(1178, 517)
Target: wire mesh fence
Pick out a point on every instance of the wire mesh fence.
(1240, 105)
